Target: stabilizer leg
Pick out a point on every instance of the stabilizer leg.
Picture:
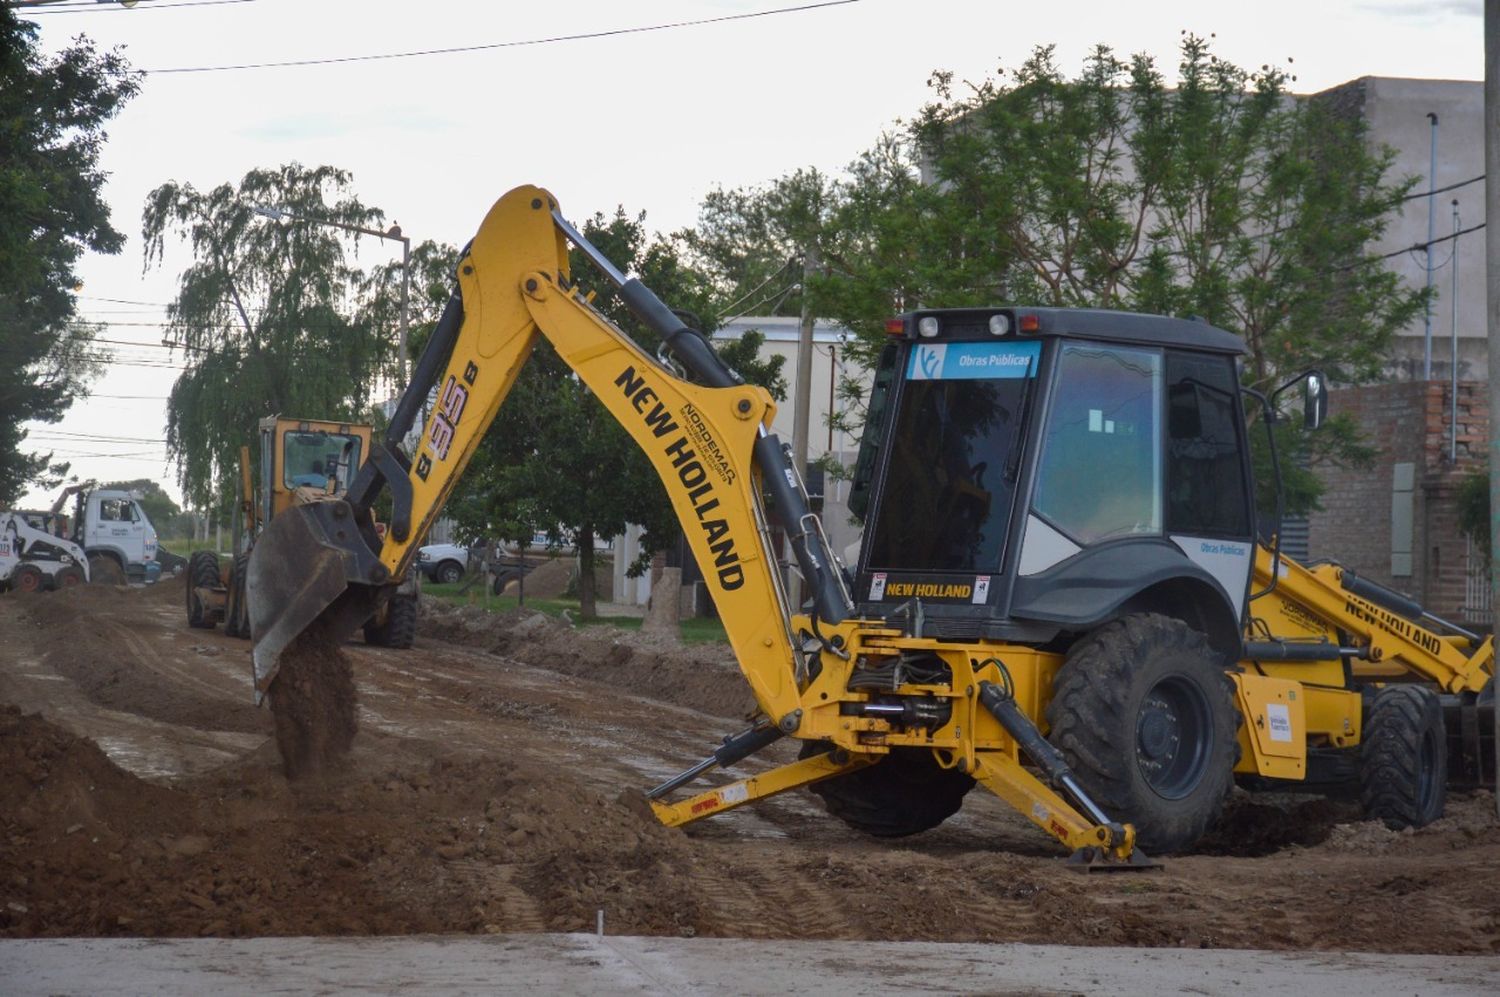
(778, 780)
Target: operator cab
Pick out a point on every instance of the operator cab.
(306, 453)
(1026, 472)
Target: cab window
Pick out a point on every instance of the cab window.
(1206, 491)
(116, 510)
(1100, 474)
(310, 459)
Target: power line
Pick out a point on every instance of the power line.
(611, 33)
(94, 437)
(1440, 190)
(1408, 249)
(34, 10)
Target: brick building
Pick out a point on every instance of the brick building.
(1397, 522)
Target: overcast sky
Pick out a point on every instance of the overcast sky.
(651, 120)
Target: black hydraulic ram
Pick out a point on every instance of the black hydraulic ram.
(780, 480)
(1002, 706)
(1398, 603)
(736, 747)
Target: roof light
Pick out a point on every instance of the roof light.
(1030, 323)
(895, 326)
(927, 326)
(999, 325)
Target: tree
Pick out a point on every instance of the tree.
(263, 315)
(555, 461)
(1221, 196)
(52, 115)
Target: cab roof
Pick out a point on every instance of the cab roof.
(1083, 323)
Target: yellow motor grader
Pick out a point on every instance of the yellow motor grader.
(1061, 594)
(302, 461)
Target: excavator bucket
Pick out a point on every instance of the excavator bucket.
(310, 571)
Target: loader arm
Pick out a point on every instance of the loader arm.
(708, 441)
(1309, 606)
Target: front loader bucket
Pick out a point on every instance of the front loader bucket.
(310, 570)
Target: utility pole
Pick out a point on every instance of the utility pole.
(1492, 297)
(802, 393)
(1427, 308)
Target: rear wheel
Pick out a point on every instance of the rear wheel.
(1403, 762)
(907, 793)
(236, 613)
(28, 578)
(1144, 714)
(105, 570)
(203, 572)
(395, 625)
(67, 577)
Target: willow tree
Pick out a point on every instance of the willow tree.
(266, 315)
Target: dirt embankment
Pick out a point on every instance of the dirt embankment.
(483, 793)
(701, 677)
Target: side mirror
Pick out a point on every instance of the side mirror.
(1314, 399)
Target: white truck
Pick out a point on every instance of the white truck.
(114, 531)
(32, 558)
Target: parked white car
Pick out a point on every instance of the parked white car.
(443, 562)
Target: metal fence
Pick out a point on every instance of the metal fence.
(1476, 607)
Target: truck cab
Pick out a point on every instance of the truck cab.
(1030, 473)
(110, 524)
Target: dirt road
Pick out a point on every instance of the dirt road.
(140, 794)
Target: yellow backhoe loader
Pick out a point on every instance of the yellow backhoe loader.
(302, 461)
(1061, 594)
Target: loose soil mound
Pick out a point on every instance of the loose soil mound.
(702, 677)
(484, 794)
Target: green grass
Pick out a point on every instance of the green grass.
(694, 631)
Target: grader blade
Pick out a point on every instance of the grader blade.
(310, 570)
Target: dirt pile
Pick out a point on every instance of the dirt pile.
(701, 677)
(93, 635)
(459, 845)
(484, 794)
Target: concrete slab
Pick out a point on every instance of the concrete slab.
(562, 964)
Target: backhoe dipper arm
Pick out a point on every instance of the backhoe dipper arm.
(707, 441)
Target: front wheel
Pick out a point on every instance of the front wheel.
(1403, 762)
(1143, 712)
(203, 572)
(68, 577)
(395, 625)
(905, 793)
(449, 572)
(105, 570)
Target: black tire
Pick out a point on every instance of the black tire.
(237, 610)
(105, 570)
(1143, 711)
(68, 577)
(1403, 761)
(397, 626)
(203, 572)
(907, 793)
(448, 572)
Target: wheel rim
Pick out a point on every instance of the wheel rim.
(69, 579)
(1173, 735)
(29, 582)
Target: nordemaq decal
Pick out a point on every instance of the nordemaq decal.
(690, 471)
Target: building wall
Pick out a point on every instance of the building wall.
(1396, 112)
(1365, 524)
